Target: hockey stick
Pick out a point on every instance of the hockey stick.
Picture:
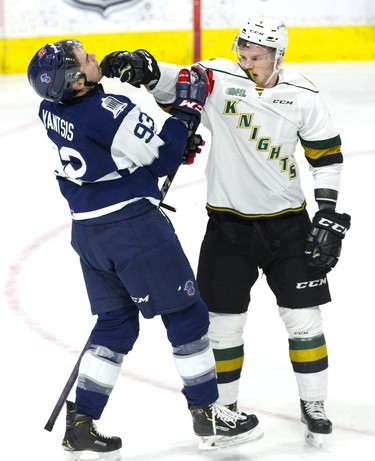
(193, 147)
(163, 192)
(65, 392)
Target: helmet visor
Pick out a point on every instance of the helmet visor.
(246, 50)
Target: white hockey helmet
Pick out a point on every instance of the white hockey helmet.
(265, 31)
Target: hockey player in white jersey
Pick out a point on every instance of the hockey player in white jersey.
(257, 113)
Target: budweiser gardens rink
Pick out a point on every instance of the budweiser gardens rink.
(45, 314)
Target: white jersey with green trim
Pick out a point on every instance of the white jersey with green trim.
(251, 169)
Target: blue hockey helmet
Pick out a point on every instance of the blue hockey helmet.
(54, 69)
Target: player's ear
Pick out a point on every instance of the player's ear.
(79, 84)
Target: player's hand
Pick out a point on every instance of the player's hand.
(137, 68)
(193, 147)
(191, 92)
(324, 241)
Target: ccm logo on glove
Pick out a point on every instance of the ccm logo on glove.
(191, 105)
(333, 225)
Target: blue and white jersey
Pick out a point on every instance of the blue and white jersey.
(110, 152)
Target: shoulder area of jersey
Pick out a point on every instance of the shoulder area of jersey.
(292, 77)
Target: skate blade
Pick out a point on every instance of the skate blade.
(93, 456)
(314, 439)
(216, 442)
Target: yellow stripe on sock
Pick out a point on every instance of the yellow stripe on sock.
(308, 355)
(223, 366)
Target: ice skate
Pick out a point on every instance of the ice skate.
(313, 415)
(84, 442)
(219, 427)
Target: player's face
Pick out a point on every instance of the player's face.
(259, 60)
(88, 65)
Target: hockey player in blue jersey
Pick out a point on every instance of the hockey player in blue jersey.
(111, 158)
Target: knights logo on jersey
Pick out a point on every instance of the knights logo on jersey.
(113, 105)
(103, 7)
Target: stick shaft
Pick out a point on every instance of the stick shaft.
(65, 392)
(164, 189)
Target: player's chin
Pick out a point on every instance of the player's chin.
(257, 79)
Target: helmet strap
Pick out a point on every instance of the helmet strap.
(276, 68)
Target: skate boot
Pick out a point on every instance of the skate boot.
(313, 415)
(81, 436)
(219, 427)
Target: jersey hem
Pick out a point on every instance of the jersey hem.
(257, 215)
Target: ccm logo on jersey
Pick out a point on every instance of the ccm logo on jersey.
(282, 101)
(311, 284)
(141, 300)
(191, 105)
(333, 225)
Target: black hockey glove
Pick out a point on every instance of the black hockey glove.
(193, 148)
(137, 68)
(324, 241)
(191, 92)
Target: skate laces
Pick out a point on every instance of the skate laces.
(315, 409)
(222, 413)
